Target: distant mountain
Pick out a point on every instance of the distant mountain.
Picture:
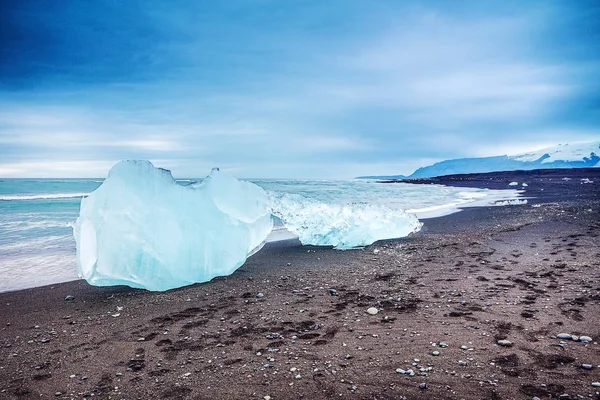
(384, 177)
(576, 155)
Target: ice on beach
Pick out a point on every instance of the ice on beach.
(343, 226)
(141, 229)
(511, 202)
(513, 184)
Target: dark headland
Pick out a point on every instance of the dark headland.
(472, 305)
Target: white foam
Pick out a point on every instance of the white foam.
(42, 196)
(27, 270)
(26, 225)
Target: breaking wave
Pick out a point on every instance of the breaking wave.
(19, 197)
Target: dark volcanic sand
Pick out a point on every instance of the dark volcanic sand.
(521, 273)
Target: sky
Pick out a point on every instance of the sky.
(291, 88)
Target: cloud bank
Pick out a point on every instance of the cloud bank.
(294, 89)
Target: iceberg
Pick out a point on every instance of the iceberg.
(142, 229)
(343, 226)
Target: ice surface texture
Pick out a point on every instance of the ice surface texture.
(343, 226)
(141, 229)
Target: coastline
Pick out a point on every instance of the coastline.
(31, 256)
(520, 273)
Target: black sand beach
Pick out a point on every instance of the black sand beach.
(471, 304)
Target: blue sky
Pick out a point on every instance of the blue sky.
(307, 89)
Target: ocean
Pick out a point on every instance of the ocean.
(36, 216)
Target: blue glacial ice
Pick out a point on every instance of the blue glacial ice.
(142, 229)
(342, 225)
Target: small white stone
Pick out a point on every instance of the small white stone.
(372, 310)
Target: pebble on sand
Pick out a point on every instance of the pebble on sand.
(568, 336)
(504, 343)
(372, 310)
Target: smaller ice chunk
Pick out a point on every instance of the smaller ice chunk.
(510, 202)
(343, 226)
(142, 229)
(513, 184)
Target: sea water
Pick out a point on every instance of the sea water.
(36, 216)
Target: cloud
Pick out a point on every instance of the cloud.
(297, 89)
(56, 169)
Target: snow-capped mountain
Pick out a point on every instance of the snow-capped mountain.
(574, 152)
(576, 155)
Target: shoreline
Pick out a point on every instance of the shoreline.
(508, 196)
(521, 273)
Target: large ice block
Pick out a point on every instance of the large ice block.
(142, 229)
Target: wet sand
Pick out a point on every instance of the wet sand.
(522, 274)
